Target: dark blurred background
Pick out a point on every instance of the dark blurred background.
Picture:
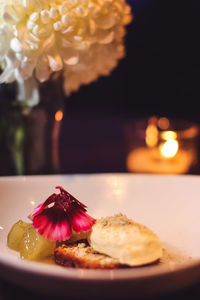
(160, 75)
(161, 71)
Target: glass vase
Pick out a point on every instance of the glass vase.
(29, 132)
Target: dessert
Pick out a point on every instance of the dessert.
(28, 242)
(16, 234)
(113, 242)
(129, 242)
(34, 246)
(62, 229)
(82, 255)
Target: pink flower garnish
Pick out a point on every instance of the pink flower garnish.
(59, 214)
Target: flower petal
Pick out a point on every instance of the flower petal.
(70, 197)
(53, 224)
(42, 71)
(56, 222)
(65, 230)
(82, 222)
(39, 209)
(60, 232)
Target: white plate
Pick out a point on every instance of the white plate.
(169, 205)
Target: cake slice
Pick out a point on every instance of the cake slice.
(82, 255)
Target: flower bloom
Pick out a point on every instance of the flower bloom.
(59, 214)
(83, 38)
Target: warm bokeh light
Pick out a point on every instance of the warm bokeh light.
(163, 123)
(169, 148)
(169, 135)
(189, 133)
(165, 151)
(151, 138)
(59, 115)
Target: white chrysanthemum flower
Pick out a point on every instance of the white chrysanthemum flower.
(84, 38)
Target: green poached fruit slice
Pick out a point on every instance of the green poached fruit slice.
(34, 246)
(16, 234)
(30, 244)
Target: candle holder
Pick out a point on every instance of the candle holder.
(161, 145)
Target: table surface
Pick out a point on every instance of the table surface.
(9, 291)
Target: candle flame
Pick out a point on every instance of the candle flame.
(169, 148)
(170, 145)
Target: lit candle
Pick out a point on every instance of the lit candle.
(144, 160)
(166, 157)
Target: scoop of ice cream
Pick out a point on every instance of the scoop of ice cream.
(129, 242)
